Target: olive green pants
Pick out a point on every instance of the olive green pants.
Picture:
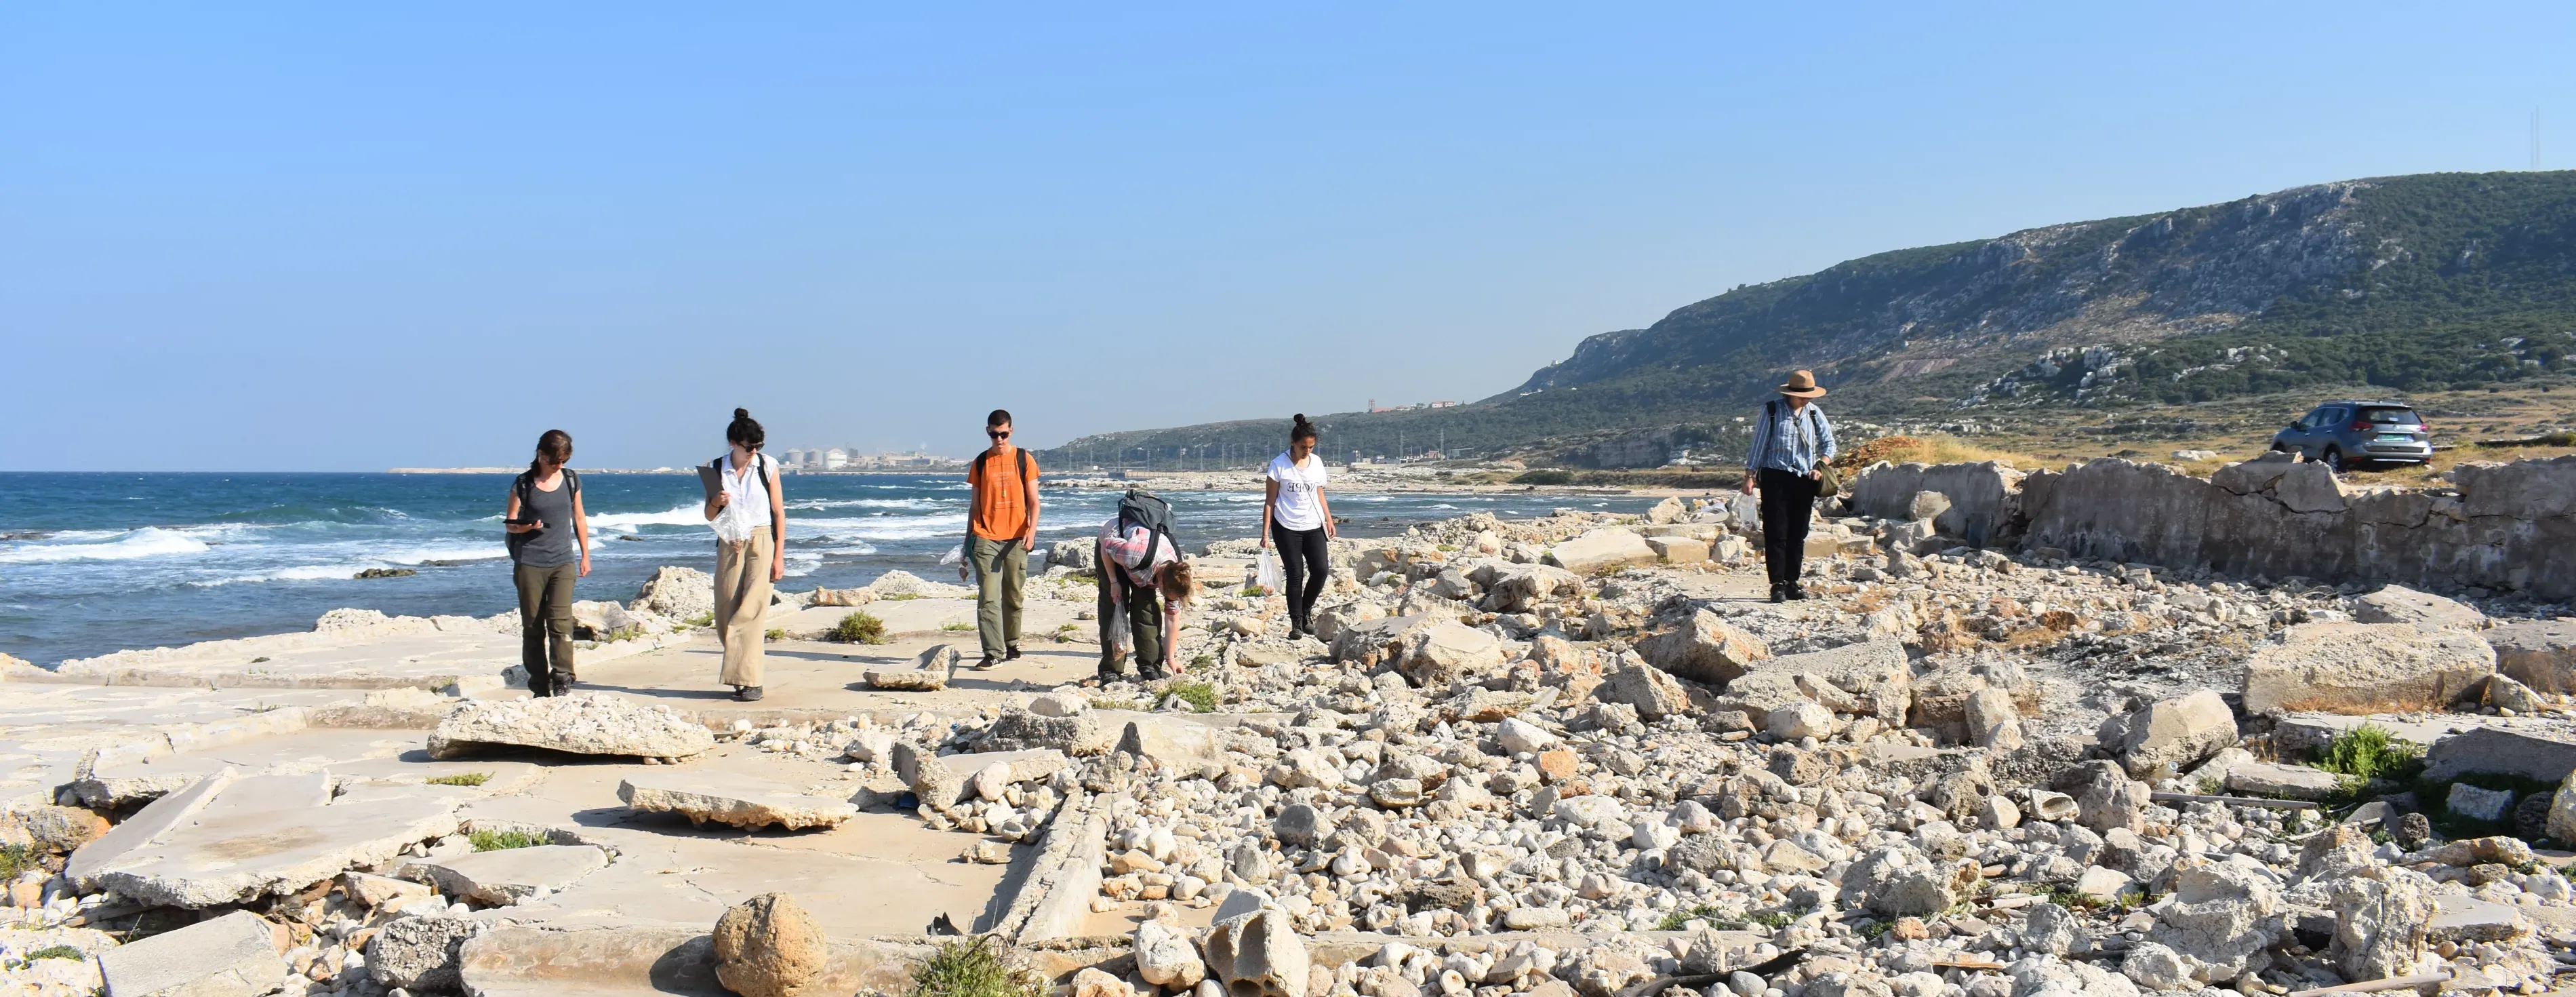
(545, 624)
(1001, 571)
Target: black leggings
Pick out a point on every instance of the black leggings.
(1300, 550)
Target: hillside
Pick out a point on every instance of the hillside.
(2404, 284)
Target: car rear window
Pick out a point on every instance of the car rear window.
(2388, 416)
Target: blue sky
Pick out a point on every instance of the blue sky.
(253, 236)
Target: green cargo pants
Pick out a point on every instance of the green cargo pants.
(1001, 571)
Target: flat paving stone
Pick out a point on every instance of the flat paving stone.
(508, 875)
(237, 839)
(736, 802)
(235, 955)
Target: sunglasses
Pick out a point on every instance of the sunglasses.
(998, 433)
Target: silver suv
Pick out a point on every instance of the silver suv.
(2348, 433)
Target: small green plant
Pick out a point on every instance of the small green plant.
(956, 625)
(774, 633)
(15, 859)
(1716, 919)
(1064, 633)
(705, 619)
(56, 952)
(1115, 704)
(1874, 929)
(621, 633)
(859, 627)
(974, 967)
(502, 841)
(461, 779)
(1199, 693)
(2072, 899)
(2370, 752)
(1203, 662)
(899, 597)
(2209, 785)
(1544, 477)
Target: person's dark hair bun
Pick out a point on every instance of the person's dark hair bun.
(1301, 429)
(1300, 417)
(745, 430)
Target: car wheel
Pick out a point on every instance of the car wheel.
(2334, 460)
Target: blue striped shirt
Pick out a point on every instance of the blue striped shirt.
(1803, 445)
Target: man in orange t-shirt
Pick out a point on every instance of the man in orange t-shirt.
(1001, 525)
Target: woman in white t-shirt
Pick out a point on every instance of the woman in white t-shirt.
(1302, 523)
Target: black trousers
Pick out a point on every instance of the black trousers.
(1306, 559)
(1788, 505)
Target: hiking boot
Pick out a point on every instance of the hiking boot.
(1012, 654)
(1795, 592)
(987, 662)
(1153, 673)
(1779, 592)
(747, 693)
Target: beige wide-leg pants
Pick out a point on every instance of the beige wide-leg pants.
(742, 605)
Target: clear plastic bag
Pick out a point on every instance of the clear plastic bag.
(1267, 574)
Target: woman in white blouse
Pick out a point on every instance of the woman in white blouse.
(750, 520)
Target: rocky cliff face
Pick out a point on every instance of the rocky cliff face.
(2193, 270)
(2407, 283)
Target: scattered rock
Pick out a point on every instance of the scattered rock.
(1704, 649)
(420, 953)
(1258, 955)
(929, 672)
(2171, 735)
(768, 947)
(1166, 958)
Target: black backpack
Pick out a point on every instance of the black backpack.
(1144, 509)
(525, 486)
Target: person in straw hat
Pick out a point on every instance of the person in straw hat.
(1792, 443)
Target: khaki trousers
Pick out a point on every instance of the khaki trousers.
(1001, 588)
(545, 624)
(742, 605)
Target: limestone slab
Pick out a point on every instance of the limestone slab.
(1602, 550)
(734, 801)
(261, 836)
(652, 959)
(582, 725)
(2365, 668)
(234, 955)
(509, 875)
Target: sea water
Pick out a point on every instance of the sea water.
(92, 563)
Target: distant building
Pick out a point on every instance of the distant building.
(835, 459)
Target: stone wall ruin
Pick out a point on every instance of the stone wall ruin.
(2503, 527)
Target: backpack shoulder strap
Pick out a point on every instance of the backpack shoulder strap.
(1024, 463)
(573, 478)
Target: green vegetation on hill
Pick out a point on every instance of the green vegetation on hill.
(2413, 283)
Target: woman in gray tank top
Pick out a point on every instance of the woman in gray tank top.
(545, 522)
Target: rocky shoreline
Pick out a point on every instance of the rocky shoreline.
(1567, 754)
